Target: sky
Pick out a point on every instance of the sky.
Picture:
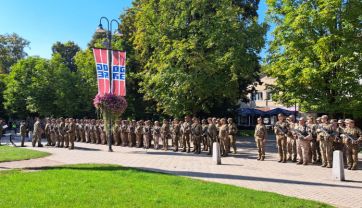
(44, 22)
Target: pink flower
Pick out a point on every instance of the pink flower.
(109, 102)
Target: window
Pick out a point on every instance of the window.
(257, 96)
(269, 96)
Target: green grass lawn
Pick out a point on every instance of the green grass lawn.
(9, 153)
(114, 186)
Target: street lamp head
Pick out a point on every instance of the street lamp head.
(100, 29)
(118, 33)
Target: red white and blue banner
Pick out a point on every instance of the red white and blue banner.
(118, 85)
(101, 59)
(119, 73)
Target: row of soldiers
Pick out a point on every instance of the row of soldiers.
(185, 135)
(312, 140)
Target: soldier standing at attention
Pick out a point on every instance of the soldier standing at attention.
(23, 130)
(165, 132)
(352, 138)
(53, 132)
(139, 134)
(37, 133)
(324, 138)
(47, 132)
(115, 131)
(102, 132)
(196, 131)
(186, 134)
(176, 134)
(61, 133)
(82, 130)
(211, 134)
(260, 136)
(281, 130)
(71, 133)
(303, 135)
(313, 156)
(124, 133)
(204, 135)
(131, 134)
(156, 134)
(224, 137)
(147, 131)
(336, 131)
(291, 140)
(232, 134)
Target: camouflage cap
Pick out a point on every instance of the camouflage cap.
(324, 117)
(333, 121)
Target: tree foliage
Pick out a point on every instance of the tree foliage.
(67, 51)
(196, 54)
(316, 54)
(11, 50)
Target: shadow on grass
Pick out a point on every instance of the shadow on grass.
(205, 175)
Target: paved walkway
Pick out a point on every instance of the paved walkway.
(242, 169)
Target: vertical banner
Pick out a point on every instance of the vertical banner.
(101, 59)
(119, 73)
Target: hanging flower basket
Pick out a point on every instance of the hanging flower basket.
(110, 106)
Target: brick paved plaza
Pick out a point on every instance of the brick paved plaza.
(242, 169)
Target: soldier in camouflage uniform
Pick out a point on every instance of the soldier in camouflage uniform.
(102, 133)
(116, 135)
(336, 131)
(165, 133)
(313, 155)
(61, 133)
(53, 132)
(23, 130)
(156, 134)
(131, 134)
(47, 132)
(124, 133)
(303, 135)
(291, 140)
(224, 137)
(139, 134)
(196, 131)
(176, 133)
(82, 130)
(260, 136)
(37, 133)
(324, 137)
(204, 135)
(281, 130)
(232, 134)
(211, 134)
(71, 133)
(147, 131)
(186, 134)
(352, 138)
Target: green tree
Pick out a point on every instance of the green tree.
(11, 50)
(3, 112)
(197, 54)
(67, 51)
(87, 83)
(316, 54)
(29, 88)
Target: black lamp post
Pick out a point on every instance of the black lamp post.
(109, 48)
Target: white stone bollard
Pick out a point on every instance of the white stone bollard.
(338, 166)
(216, 158)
